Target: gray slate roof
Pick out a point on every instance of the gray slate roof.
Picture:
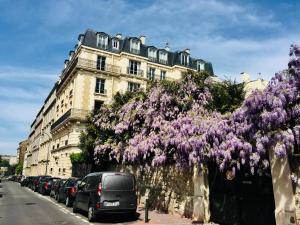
(90, 40)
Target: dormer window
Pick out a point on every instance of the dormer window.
(115, 44)
(200, 66)
(163, 56)
(185, 59)
(135, 46)
(80, 39)
(102, 41)
(152, 54)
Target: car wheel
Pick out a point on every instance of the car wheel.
(75, 210)
(68, 203)
(91, 214)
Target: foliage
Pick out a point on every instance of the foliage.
(227, 96)
(19, 168)
(77, 157)
(4, 163)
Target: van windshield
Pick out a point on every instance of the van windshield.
(118, 182)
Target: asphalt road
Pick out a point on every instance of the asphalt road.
(21, 206)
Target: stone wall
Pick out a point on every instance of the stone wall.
(172, 191)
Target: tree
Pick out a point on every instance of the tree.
(19, 168)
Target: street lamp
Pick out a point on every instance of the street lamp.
(47, 153)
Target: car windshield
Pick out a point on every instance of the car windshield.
(118, 182)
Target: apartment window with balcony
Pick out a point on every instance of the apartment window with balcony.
(200, 66)
(100, 86)
(135, 46)
(115, 44)
(134, 67)
(185, 58)
(101, 62)
(163, 57)
(162, 75)
(133, 86)
(102, 41)
(152, 54)
(151, 73)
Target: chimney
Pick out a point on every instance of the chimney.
(71, 53)
(118, 35)
(167, 47)
(187, 50)
(66, 63)
(143, 39)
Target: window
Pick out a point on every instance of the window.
(200, 66)
(185, 59)
(152, 54)
(101, 62)
(100, 85)
(134, 67)
(53, 147)
(135, 46)
(57, 108)
(162, 75)
(97, 105)
(102, 41)
(64, 170)
(133, 86)
(59, 170)
(51, 170)
(115, 44)
(70, 93)
(57, 146)
(163, 57)
(151, 73)
(66, 142)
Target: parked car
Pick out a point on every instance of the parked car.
(46, 184)
(106, 192)
(67, 192)
(55, 187)
(25, 181)
(36, 182)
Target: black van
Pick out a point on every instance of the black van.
(106, 192)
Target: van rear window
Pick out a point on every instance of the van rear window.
(118, 182)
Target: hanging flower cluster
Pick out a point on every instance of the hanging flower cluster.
(177, 127)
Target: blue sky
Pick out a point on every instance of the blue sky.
(36, 36)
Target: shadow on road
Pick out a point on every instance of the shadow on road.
(115, 218)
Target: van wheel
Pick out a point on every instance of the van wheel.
(68, 203)
(75, 210)
(91, 214)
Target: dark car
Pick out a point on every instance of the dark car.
(46, 184)
(55, 187)
(31, 182)
(25, 181)
(36, 182)
(106, 192)
(67, 191)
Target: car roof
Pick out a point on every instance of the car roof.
(109, 172)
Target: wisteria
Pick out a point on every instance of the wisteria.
(177, 126)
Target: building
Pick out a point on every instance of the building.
(251, 85)
(100, 66)
(10, 158)
(21, 151)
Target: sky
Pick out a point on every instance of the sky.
(36, 37)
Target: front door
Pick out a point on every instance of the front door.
(245, 200)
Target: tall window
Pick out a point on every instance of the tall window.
(134, 67)
(200, 66)
(133, 86)
(151, 73)
(115, 44)
(185, 58)
(163, 57)
(135, 46)
(152, 54)
(102, 41)
(100, 86)
(162, 75)
(101, 62)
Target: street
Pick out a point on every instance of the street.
(21, 206)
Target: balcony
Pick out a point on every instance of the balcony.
(101, 92)
(71, 115)
(81, 63)
(163, 61)
(135, 72)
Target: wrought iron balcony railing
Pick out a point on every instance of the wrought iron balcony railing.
(71, 114)
(136, 72)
